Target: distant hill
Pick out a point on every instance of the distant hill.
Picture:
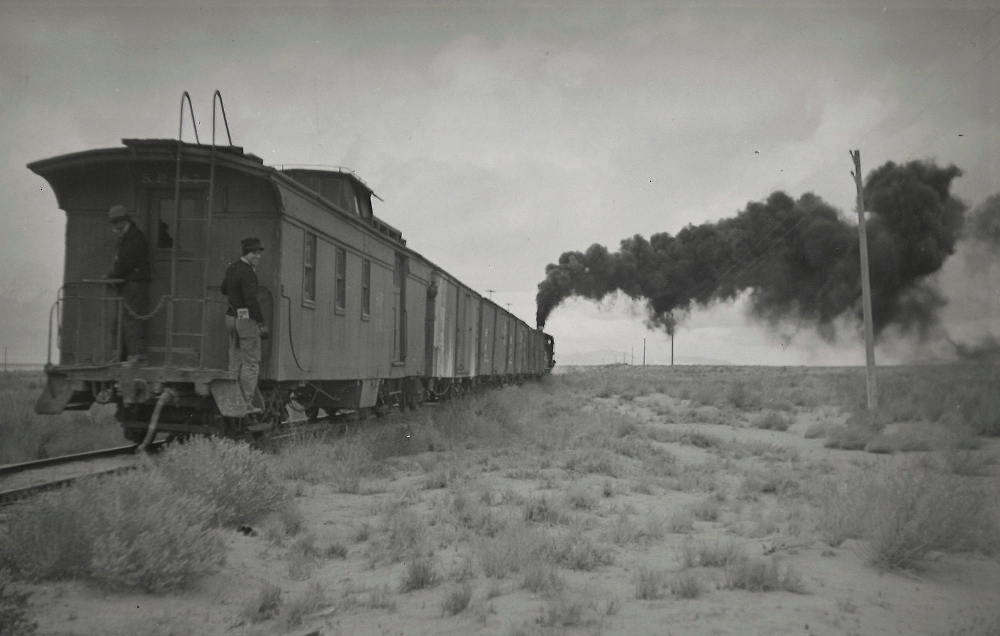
(596, 358)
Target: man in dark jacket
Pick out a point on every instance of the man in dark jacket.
(245, 319)
(132, 268)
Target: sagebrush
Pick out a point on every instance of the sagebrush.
(235, 479)
(151, 529)
(127, 531)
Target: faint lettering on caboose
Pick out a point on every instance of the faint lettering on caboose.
(164, 179)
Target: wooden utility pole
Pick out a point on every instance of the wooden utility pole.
(671, 348)
(866, 288)
(643, 352)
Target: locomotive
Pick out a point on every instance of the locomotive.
(360, 322)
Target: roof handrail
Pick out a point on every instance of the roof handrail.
(327, 168)
(194, 124)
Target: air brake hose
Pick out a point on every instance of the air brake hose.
(166, 396)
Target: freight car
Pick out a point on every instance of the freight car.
(359, 321)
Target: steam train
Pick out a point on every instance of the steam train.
(360, 322)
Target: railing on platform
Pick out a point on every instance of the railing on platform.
(88, 319)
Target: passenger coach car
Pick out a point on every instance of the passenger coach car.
(359, 321)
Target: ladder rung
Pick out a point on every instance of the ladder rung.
(188, 335)
(177, 350)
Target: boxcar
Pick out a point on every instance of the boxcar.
(359, 320)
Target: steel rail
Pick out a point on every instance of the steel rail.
(13, 495)
(13, 469)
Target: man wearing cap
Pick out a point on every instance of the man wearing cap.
(132, 268)
(244, 318)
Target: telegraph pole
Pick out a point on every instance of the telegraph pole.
(866, 289)
(671, 348)
(643, 352)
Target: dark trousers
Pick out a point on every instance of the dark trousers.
(135, 296)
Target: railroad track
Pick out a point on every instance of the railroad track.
(23, 480)
(20, 481)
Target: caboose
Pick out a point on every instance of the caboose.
(359, 321)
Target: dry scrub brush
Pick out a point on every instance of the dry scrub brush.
(403, 537)
(512, 550)
(234, 478)
(294, 612)
(420, 573)
(456, 600)
(27, 435)
(151, 529)
(650, 583)
(129, 531)
(763, 575)
(14, 619)
(903, 512)
(343, 461)
(263, 605)
(959, 395)
(773, 421)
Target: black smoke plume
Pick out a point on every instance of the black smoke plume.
(798, 258)
(987, 350)
(983, 228)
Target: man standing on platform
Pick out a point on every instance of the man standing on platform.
(245, 319)
(132, 268)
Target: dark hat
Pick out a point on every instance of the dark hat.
(251, 245)
(118, 213)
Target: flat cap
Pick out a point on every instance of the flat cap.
(117, 212)
(251, 245)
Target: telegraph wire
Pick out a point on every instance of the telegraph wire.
(915, 92)
(746, 264)
(938, 97)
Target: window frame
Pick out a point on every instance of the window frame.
(310, 240)
(366, 288)
(400, 344)
(340, 281)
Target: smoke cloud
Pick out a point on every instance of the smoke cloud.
(982, 232)
(798, 259)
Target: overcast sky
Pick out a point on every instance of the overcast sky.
(501, 137)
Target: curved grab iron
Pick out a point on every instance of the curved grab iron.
(217, 97)
(194, 123)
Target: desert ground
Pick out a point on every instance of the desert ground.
(601, 500)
